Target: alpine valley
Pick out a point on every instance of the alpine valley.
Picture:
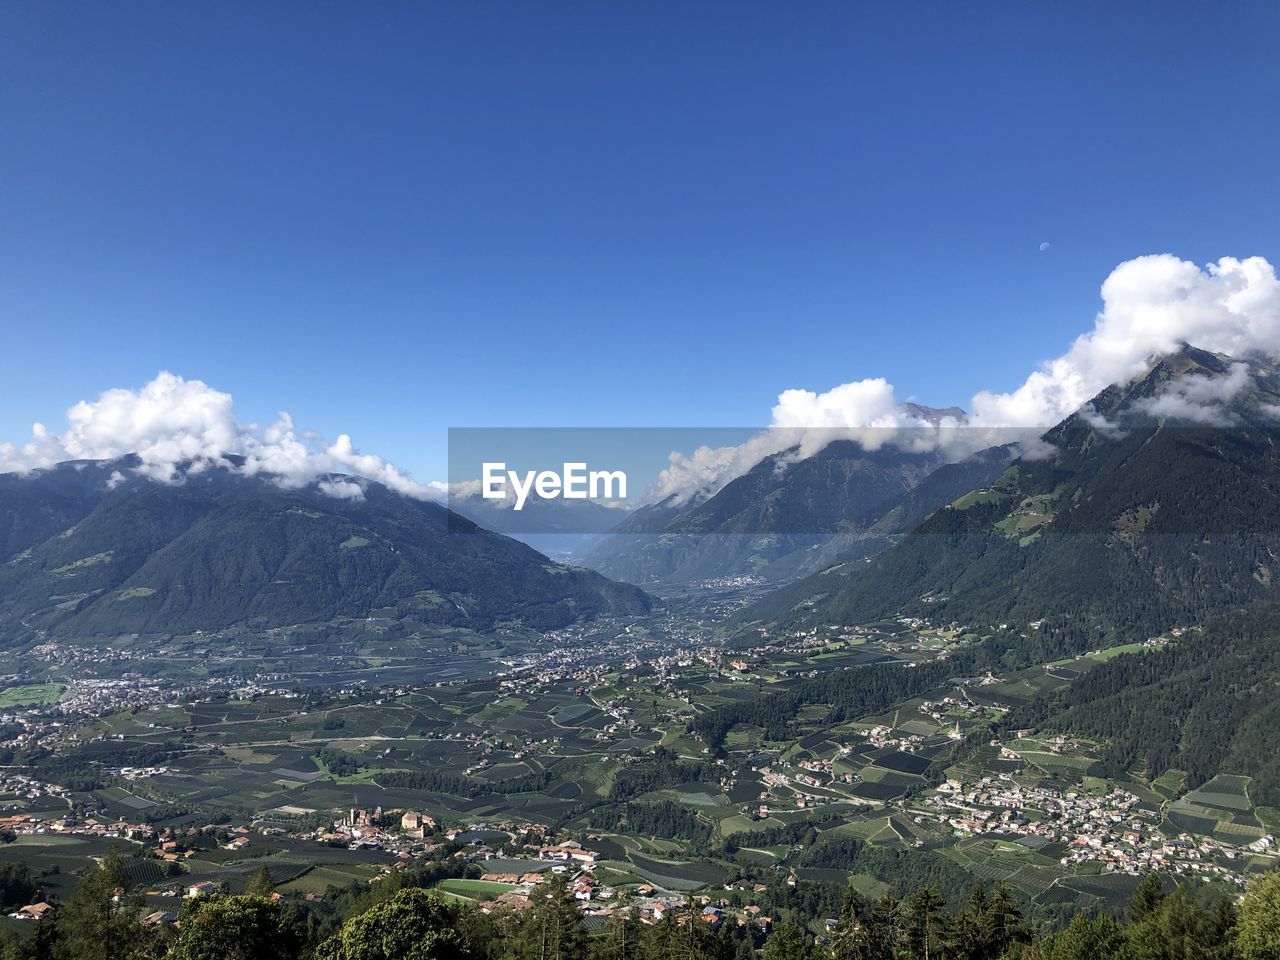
(1049, 664)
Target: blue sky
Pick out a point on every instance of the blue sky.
(391, 219)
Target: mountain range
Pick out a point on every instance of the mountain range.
(1156, 503)
(786, 516)
(89, 549)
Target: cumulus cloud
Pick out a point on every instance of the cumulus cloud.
(803, 424)
(177, 427)
(1150, 306)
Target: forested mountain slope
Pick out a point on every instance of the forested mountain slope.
(1154, 505)
(96, 551)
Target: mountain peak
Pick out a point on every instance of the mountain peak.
(935, 415)
(1189, 385)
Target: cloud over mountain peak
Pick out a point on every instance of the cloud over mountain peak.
(176, 426)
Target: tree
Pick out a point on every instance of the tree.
(260, 884)
(552, 927)
(1178, 929)
(100, 923)
(1258, 929)
(926, 923)
(683, 935)
(622, 938)
(789, 942)
(412, 925)
(246, 927)
(16, 886)
(1146, 897)
(1086, 938)
(847, 937)
(884, 929)
(1001, 924)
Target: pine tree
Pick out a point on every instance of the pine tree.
(100, 923)
(260, 884)
(552, 927)
(880, 935)
(925, 923)
(849, 933)
(789, 942)
(1003, 924)
(1146, 897)
(621, 939)
(1086, 938)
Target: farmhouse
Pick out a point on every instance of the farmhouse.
(34, 911)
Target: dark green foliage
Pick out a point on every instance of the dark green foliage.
(338, 762)
(789, 942)
(1204, 704)
(850, 693)
(412, 925)
(1258, 936)
(460, 785)
(249, 927)
(17, 886)
(1087, 938)
(260, 884)
(663, 819)
(552, 928)
(398, 920)
(98, 924)
(664, 768)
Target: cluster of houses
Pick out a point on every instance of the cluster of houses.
(22, 787)
(26, 824)
(1114, 829)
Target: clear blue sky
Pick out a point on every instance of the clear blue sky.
(392, 218)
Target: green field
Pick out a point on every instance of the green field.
(33, 694)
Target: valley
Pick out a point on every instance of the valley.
(1048, 668)
(598, 735)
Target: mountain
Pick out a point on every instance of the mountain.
(1156, 503)
(560, 528)
(783, 519)
(1203, 705)
(90, 549)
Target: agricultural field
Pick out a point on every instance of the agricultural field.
(33, 694)
(605, 752)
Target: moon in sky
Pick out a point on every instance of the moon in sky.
(1044, 246)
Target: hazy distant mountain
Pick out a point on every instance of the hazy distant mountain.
(88, 549)
(1154, 504)
(561, 529)
(782, 519)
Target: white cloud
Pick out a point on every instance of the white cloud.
(1199, 398)
(341, 489)
(178, 426)
(1151, 305)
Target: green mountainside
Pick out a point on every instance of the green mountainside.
(1203, 705)
(1123, 516)
(88, 556)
